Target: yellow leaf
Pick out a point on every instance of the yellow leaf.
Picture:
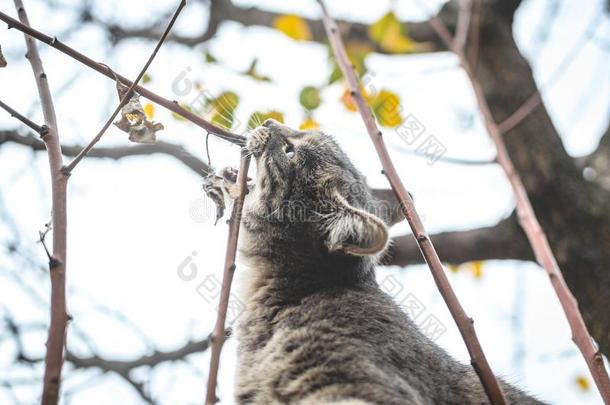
(386, 107)
(476, 268)
(583, 383)
(308, 124)
(293, 26)
(149, 110)
(391, 35)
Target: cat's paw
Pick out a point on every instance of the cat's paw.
(221, 187)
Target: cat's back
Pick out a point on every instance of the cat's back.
(322, 347)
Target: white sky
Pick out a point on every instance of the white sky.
(130, 222)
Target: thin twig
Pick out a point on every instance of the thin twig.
(28, 122)
(106, 71)
(42, 237)
(218, 336)
(535, 234)
(535, 99)
(464, 323)
(57, 266)
(446, 159)
(69, 167)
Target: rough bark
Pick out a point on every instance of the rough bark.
(574, 213)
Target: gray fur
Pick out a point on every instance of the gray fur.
(317, 329)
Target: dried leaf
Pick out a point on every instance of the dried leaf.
(135, 123)
(2, 60)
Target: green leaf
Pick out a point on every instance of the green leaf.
(223, 108)
(223, 120)
(253, 73)
(310, 98)
(209, 58)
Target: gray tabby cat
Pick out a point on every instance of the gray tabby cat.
(317, 329)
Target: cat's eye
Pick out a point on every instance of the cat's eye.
(289, 150)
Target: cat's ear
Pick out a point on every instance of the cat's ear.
(350, 230)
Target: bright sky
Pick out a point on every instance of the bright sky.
(131, 223)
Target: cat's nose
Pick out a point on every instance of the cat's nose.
(270, 123)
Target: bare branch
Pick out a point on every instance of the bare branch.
(151, 360)
(57, 264)
(39, 129)
(463, 24)
(536, 99)
(464, 323)
(106, 71)
(128, 94)
(503, 241)
(225, 10)
(531, 226)
(218, 336)
(117, 152)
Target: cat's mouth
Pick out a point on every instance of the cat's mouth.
(276, 161)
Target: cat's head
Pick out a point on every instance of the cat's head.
(306, 183)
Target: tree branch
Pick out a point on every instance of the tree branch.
(122, 367)
(106, 71)
(531, 226)
(128, 94)
(225, 10)
(57, 264)
(218, 337)
(535, 99)
(116, 152)
(465, 324)
(25, 120)
(503, 241)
